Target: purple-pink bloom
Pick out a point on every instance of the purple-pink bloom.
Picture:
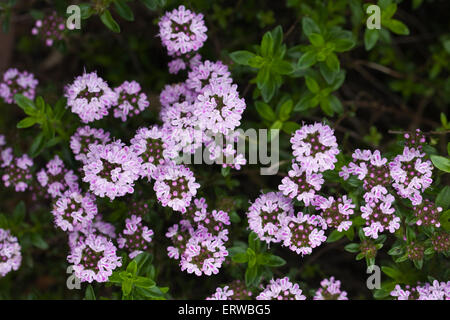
(302, 233)
(182, 31)
(267, 213)
(111, 170)
(16, 171)
(411, 174)
(330, 290)
(130, 100)
(50, 29)
(85, 136)
(94, 259)
(16, 82)
(336, 213)
(10, 254)
(135, 237)
(300, 184)
(175, 186)
(207, 74)
(154, 147)
(56, 178)
(314, 147)
(179, 234)
(281, 289)
(90, 97)
(74, 211)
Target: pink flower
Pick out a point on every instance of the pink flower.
(330, 290)
(208, 74)
(10, 254)
(90, 97)
(136, 237)
(182, 31)
(315, 147)
(16, 82)
(50, 29)
(94, 259)
(130, 100)
(16, 171)
(85, 136)
(281, 289)
(266, 215)
(336, 213)
(111, 169)
(57, 179)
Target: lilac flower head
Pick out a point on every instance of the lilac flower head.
(219, 108)
(415, 251)
(300, 184)
(174, 93)
(206, 74)
(236, 290)
(411, 174)
(10, 255)
(182, 31)
(179, 234)
(427, 214)
(154, 147)
(281, 289)
(440, 241)
(16, 82)
(436, 291)
(336, 213)
(94, 259)
(379, 214)
(368, 167)
(330, 290)
(74, 211)
(184, 61)
(17, 171)
(85, 136)
(50, 29)
(266, 214)
(136, 237)
(130, 100)
(302, 233)
(315, 147)
(96, 227)
(415, 140)
(203, 255)
(111, 169)
(56, 178)
(175, 186)
(213, 224)
(90, 97)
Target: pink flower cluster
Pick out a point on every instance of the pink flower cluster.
(50, 28)
(85, 136)
(136, 237)
(281, 289)
(94, 259)
(236, 290)
(16, 170)
(56, 178)
(330, 290)
(130, 100)
(17, 82)
(10, 254)
(90, 97)
(435, 291)
(182, 31)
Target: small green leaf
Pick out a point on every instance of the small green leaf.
(127, 286)
(19, 213)
(309, 26)
(335, 236)
(282, 67)
(271, 260)
(370, 38)
(109, 21)
(38, 241)
(290, 127)
(250, 276)
(267, 45)
(342, 45)
(240, 258)
(143, 282)
(397, 27)
(132, 267)
(333, 63)
(391, 272)
(443, 198)
(265, 111)
(307, 60)
(124, 10)
(285, 110)
(89, 294)
(23, 102)
(312, 84)
(26, 123)
(242, 57)
(441, 163)
(316, 39)
(352, 247)
(336, 104)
